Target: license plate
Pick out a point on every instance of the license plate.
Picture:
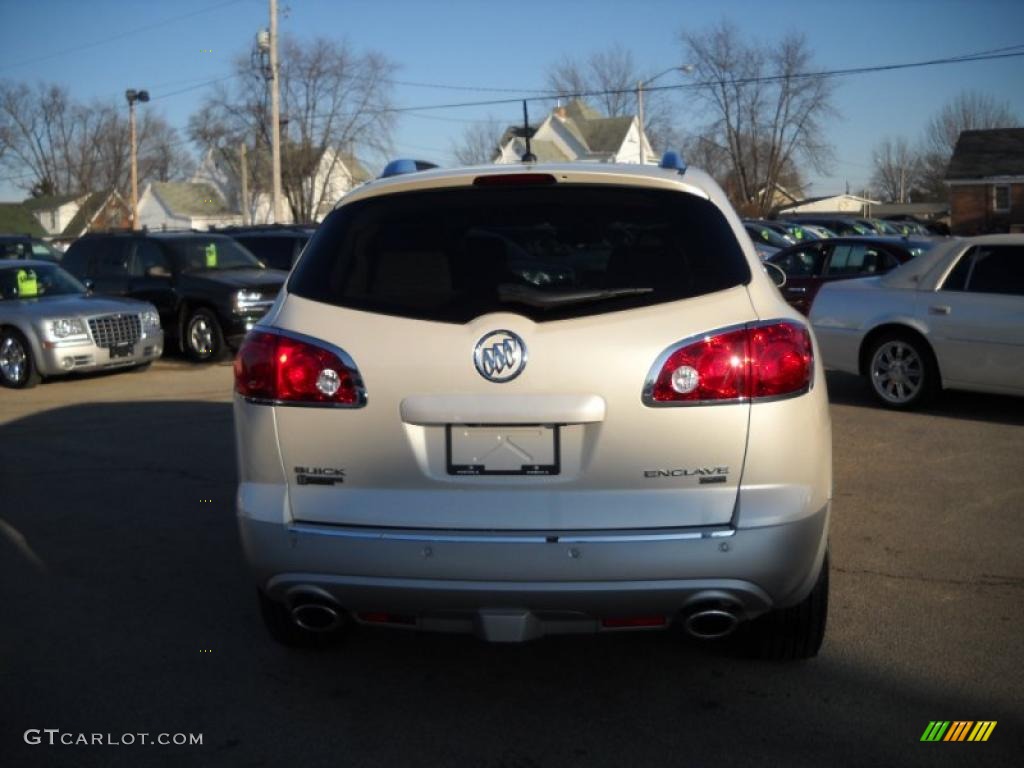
(121, 350)
(503, 450)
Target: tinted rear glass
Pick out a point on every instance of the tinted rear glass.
(544, 252)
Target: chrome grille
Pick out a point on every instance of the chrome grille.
(115, 330)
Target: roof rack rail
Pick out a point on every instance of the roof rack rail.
(405, 165)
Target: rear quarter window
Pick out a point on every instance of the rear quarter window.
(548, 253)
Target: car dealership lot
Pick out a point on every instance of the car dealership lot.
(127, 609)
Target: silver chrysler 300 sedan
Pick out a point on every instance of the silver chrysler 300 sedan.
(951, 318)
(50, 324)
(535, 399)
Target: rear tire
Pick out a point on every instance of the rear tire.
(17, 368)
(279, 624)
(793, 633)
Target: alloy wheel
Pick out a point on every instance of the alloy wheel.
(200, 336)
(12, 360)
(897, 372)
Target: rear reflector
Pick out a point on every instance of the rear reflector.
(622, 622)
(766, 360)
(382, 617)
(513, 180)
(281, 369)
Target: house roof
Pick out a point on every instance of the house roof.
(980, 154)
(184, 198)
(17, 219)
(546, 151)
(605, 134)
(86, 211)
(49, 202)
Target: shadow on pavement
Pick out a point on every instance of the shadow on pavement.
(847, 389)
(142, 618)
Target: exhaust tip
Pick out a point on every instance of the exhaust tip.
(316, 616)
(711, 623)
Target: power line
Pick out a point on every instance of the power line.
(121, 35)
(710, 83)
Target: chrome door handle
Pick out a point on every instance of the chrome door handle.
(938, 309)
(796, 289)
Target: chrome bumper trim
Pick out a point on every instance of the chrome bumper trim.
(502, 538)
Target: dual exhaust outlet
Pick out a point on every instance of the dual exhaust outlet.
(315, 612)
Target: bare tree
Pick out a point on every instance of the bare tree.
(968, 111)
(59, 146)
(764, 109)
(897, 169)
(611, 77)
(479, 144)
(333, 101)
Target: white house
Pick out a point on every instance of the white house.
(579, 133)
(55, 212)
(848, 204)
(184, 205)
(337, 172)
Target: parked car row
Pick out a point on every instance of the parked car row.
(205, 289)
(770, 236)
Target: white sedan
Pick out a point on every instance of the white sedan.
(951, 318)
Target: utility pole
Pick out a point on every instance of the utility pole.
(133, 96)
(275, 115)
(640, 115)
(245, 182)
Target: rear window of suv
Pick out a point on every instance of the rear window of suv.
(548, 253)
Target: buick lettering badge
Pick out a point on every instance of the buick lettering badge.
(500, 356)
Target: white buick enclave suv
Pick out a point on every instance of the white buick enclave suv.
(535, 399)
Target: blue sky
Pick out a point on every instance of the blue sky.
(91, 48)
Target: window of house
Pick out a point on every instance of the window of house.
(1001, 198)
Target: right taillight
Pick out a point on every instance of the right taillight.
(756, 362)
(284, 369)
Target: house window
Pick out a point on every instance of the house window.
(1001, 198)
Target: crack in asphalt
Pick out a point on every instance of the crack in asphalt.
(986, 580)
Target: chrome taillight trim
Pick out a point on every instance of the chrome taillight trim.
(341, 354)
(647, 393)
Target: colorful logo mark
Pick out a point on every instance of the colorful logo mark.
(958, 730)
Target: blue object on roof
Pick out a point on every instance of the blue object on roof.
(673, 160)
(405, 165)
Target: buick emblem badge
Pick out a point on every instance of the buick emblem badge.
(500, 356)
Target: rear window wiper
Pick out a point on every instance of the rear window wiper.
(524, 294)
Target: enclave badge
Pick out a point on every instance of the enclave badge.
(500, 356)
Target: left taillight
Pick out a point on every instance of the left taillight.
(286, 370)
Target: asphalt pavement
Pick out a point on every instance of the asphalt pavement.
(126, 608)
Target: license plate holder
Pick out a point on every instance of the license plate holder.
(121, 350)
(496, 449)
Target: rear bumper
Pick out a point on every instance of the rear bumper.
(444, 578)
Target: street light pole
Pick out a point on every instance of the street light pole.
(640, 85)
(132, 96)
(275, 115)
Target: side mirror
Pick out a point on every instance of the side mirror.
(775, 272)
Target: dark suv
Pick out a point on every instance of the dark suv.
(208, 289)
(276, 246)
(27, 247)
